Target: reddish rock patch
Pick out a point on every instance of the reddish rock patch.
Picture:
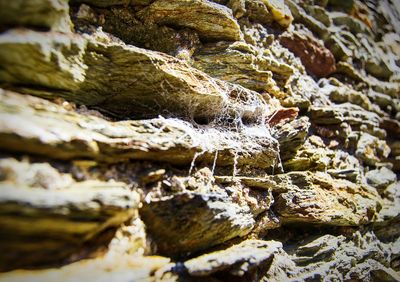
(317, 59)
(283, 115)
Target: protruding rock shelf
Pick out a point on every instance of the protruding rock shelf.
(122, 80)
(45, 224)
(40, 127)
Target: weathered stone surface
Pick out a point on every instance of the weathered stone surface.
(360, 257)
(210, 20)
(123, 23)
(340, 93)
(107, 3)
(325, 200)
(37, 126)
(187, 222)
(315, 57)
(40, 14)
(197, 217)
(112, 268)
(115, 78)
(246, 261)
(227, 136)
(242, 64)
(345, 112)
(319, 13)
(371, 150)
(256, 11)
(256, 34)
(302, 16)
(314, 155)
(350, 39)
(49, 218)
(280, 12)
(291, 136)
(354, 25)
(262, 11)
(390, 211)
(380, 178)
(316, 198)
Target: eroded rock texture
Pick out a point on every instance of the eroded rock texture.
(199, 140)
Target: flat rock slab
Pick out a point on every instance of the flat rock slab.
(34, 125)
(187, 222)
(321, 199)
(44, 224)
(316, 198)
(242, 64)
(209, 19)
(247, 259)
(346, 112)
(47, 14)
(119, 79)
(123, 268)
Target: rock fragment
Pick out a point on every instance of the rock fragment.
(212, 21)
(315, 57)
(42, 226)
(247, 260)
(95, 71)
(324, 200)
(188, 222)
(34, 125)
(114, 268)
(380, 178)
(40, 14)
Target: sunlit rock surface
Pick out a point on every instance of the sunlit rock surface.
(199, 140)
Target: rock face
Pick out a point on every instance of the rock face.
(199, 140)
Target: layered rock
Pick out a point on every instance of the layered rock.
(123, 268)
(38, 14)
(321, 199)
(52, 129)
(47, 217)
(240, 63)
(78, 69)
(247, 260)
(240, 140)
(210, 20)
(315, 57)
(206, 213)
